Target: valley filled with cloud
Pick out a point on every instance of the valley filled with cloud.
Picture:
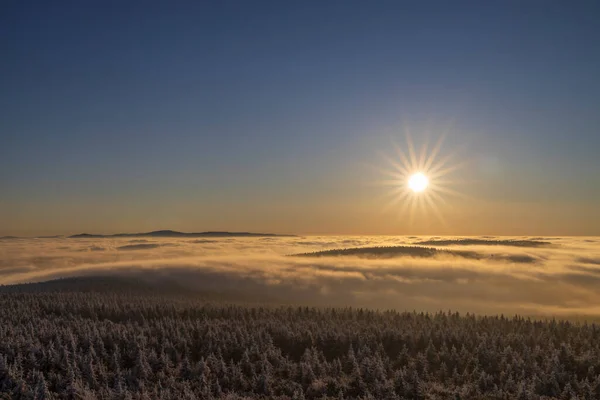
(485, 275)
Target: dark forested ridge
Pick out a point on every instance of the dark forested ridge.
(417, 252)
(485, 242)
(66, 340)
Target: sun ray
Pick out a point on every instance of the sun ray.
(434, 152)
(436, 197)
(422, 157)
(405, 206)
(411, 151)
(441, 164)
(411, 212)
(448, 182)
(387, 182)
(403, 159)
(436, 211)
(391, 204)
(439, 173)
(397, 171)
(421, 205)
(451, 192)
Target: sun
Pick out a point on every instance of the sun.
(418, 182)
(421, 180)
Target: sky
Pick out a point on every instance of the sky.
(278, 116)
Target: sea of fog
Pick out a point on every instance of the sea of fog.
(542, 275)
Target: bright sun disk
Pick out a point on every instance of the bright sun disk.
(420, 179)
(418, 182)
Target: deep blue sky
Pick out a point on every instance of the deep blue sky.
(127, 115)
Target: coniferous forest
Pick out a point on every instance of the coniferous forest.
(86, 339)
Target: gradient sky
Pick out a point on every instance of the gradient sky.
(266, 116)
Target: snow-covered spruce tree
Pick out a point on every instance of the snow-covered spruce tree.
(113, 344)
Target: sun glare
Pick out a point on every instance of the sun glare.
(419, 179)
(418, 182)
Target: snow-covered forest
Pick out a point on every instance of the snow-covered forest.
(102, 339)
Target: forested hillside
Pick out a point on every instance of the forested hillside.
(71, 341)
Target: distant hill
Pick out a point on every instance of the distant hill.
(175, 234)
(31, 237)
(486, 242)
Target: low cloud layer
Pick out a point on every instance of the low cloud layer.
(562, 277)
